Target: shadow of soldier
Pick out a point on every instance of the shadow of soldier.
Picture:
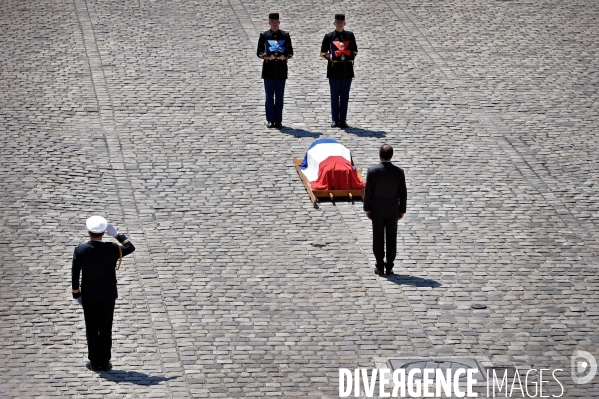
(133, 377)
(365, 133)
(299, 132)
(414, 281)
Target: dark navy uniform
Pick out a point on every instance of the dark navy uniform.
(385, 198)
(274, 72)
(340, 71)
(96, 261)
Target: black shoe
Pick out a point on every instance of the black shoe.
(389, 269)
(279, 125)
(379, 270)
(343, 125)
(334, 124)
(270, 125)
(89, 366)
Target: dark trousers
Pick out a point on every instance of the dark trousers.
(339, 98)
(275, 93)
(384, 231)
(98, 328)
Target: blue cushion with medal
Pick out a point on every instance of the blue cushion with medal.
(275, 47)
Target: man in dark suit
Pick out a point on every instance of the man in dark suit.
(274, 47)
(98, 261)
(385, 198)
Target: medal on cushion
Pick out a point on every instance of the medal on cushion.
(341, 50)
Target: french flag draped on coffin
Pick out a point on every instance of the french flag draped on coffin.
(328, 166)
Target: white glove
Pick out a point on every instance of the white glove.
(111, 231)
(79, 301)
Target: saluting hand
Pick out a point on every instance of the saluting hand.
(111, 231)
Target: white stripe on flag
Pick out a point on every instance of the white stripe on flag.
(319, 153)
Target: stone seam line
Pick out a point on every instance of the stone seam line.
(125, 193)
(347, 216)
(490, 125)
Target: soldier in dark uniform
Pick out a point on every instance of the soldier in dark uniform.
(274, 47)
(339, 48)
(98, 261)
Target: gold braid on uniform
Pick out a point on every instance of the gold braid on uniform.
(124, 241)
(75, 291)
(120, 256)
(323, 55)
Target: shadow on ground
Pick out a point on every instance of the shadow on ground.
(365, 133)
(133, 377)
(299, 132)
(414, 281)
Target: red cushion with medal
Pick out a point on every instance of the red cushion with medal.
(340, 51)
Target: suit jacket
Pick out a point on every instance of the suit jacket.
(385, 194)
(275, 69)
(98, 260)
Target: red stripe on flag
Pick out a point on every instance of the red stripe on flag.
(336, 173)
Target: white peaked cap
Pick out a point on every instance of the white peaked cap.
(96, 224)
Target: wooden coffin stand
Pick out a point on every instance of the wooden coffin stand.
(331, 194)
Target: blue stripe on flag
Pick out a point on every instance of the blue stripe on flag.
(304, 163)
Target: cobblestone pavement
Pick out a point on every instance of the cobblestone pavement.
(151, 112)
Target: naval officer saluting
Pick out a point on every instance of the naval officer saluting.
(97, 262)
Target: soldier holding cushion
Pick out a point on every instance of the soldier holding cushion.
(274, 47)
(339, 48)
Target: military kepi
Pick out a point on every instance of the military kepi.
(339, 17)
(274, 16)
(96, 224)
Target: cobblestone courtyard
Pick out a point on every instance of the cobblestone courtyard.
(151, 113)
